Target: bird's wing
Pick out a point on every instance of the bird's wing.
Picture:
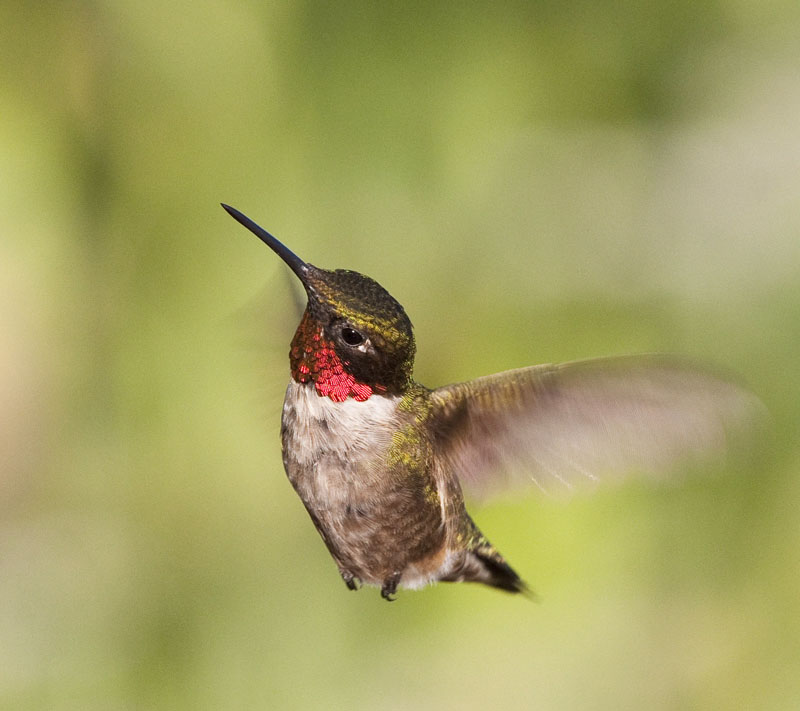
(560, 426)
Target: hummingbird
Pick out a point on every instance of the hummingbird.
(379, 459)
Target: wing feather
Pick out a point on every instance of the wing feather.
(563, 426)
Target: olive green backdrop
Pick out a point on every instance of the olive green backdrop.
(535, 182)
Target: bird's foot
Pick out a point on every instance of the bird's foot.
(389, 587)
(352, 582)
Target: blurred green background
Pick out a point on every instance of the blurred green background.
(535, 182)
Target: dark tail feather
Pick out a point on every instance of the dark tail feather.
(499, 573)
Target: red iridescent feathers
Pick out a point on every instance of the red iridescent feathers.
(314, 359)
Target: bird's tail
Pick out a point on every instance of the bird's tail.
(496, 572)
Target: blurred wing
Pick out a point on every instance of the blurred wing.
(559, 426)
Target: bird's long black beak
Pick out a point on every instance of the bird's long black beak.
(297, 265)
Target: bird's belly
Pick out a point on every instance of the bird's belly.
(333, 454)
(377, 520)
(349, 515)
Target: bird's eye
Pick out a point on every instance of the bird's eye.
(352, 337)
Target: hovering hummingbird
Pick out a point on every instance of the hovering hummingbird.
(378, 459)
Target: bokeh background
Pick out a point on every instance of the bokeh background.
(535, 182)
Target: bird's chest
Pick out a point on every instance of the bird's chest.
(335, 452)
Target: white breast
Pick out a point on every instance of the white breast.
(318, 424)
(333, 450)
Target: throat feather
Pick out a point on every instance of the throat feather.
(314, 359)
